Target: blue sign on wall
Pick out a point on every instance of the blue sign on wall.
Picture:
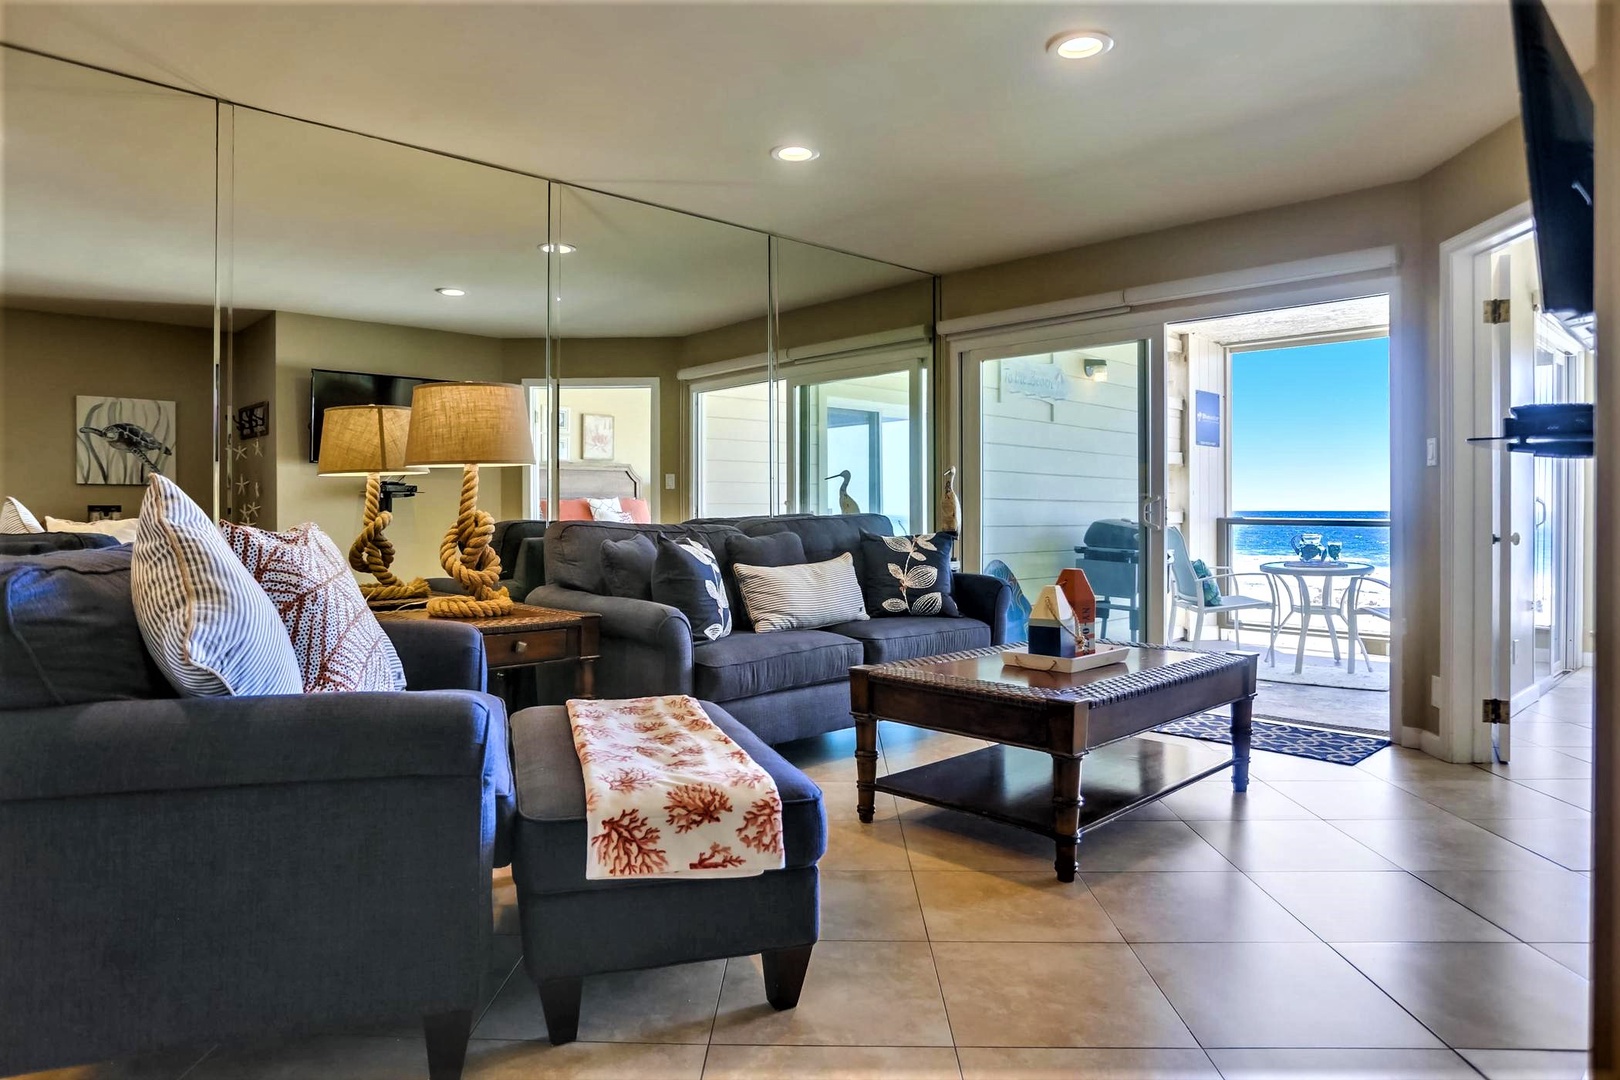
(1206, 418)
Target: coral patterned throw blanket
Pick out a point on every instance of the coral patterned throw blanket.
(668, 794)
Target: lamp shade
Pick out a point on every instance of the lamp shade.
(360, 439)
(469, 423)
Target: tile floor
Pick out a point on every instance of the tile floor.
(1401, 919)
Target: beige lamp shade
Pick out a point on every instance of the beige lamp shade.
(360, 439)
(469, 423)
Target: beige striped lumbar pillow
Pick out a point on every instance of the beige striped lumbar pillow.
(801, 597)
(15, 518)
(206, 622)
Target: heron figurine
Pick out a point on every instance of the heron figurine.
(949, 510)
(846, 503)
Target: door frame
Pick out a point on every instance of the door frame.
(1467, 378)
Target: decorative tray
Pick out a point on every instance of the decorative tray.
(1303, 564)
(1105, 655)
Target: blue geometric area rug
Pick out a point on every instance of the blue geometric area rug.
(1308, 742)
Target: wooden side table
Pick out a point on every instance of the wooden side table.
(528, 639)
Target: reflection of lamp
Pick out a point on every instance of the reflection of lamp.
(470, 424)
(1096, 369)
(366, 440)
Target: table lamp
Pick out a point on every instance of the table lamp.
(470, 424)
(368, 440)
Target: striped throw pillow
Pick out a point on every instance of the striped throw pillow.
(339, 643)
(801, 597)
(205, 621)
(15, 518)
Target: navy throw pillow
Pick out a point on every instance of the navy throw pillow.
(686, 576)
(908, 575)
(627, 566)
(774, 549)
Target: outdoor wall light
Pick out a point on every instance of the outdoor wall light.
(1096, 369)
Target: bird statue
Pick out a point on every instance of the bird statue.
(949, 509)
(846, 503)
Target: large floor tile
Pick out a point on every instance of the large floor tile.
(1272, 768)
(1529, 1064)
(1288, 845)
(1210, 906)
(1551, 733)
(1566, 841)
(828, 758)
(1051, 1063)
(1375, 906)
(1147, 845)
(579, 1061)
(1010, 906)
(1575, 955)
(663, 1005)
(831, 1063)
(1554, 905)
(870, 905)
(1495, 996)
(852, 845)
(165, 1066)
(1352, 799)
(1576, 791)
(1270, 994)
(857, 993)
(951, 840)
(1214, 800)
(1018, 994)
(908, 747)
(1497, 798)
(1446, 843)
(1342, 1065)
(1542, 763)
(1399, 764)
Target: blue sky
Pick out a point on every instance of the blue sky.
(1310, 427)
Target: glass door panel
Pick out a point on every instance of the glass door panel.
(732, 445)
(1063, 475)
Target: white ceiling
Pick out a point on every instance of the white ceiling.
(949, 139)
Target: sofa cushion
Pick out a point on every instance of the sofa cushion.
(823, 535)
(779, 549)
(574, 548)
(908, 575)
(743, 665)
(911, 636)
(68, 633)
(627, 566)
(549, 839)
(687, 577)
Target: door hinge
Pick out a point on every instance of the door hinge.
(1498, 311)
(1495, 711)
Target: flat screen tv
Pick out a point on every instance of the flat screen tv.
(329, 388)
(1558, 139)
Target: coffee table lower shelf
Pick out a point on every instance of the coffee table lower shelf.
(1014, 786)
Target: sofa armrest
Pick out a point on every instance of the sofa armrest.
(439, 654)
(646, 647)
(122, 747)
(982, 597)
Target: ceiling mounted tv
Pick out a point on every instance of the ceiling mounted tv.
(329, 388)
(1558, 142)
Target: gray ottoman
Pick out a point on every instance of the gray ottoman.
(573, 927)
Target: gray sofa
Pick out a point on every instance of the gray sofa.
(181, 871)
(786, 685)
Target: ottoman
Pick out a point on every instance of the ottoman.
(573, 927)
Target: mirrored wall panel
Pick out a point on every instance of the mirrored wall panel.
(106, 291)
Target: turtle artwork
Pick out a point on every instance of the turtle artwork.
(123, 440)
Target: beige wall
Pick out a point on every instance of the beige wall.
(631, 408)
(303, 342)
(48, 360)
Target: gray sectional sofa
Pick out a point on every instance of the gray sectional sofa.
(784, 685)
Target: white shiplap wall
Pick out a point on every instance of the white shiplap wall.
(733, 449)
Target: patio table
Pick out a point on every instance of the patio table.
(1301, 571)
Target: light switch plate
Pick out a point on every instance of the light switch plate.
(1434, 452)
(669, 481)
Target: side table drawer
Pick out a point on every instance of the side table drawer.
(534, 647)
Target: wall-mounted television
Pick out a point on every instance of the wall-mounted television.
(329, 388)
(1558, 142)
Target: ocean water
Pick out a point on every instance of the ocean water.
(1256, 544)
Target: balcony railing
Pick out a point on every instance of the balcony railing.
(1246, 541)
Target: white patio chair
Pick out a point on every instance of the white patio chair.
(1187, 591)
(1355, 605)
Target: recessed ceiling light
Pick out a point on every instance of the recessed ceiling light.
(1080, 44)
(451, 292)
(558, 249)
(795, 153)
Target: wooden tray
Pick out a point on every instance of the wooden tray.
(1105, 655)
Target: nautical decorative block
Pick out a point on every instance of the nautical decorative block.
(1051, 625)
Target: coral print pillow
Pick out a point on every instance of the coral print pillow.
(339, 643)
(908, 575)
(686, 575)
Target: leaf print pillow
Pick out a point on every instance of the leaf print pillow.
(687, 576)
(908, 575)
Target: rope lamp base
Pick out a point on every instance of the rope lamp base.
(373, 553)
(468, 558)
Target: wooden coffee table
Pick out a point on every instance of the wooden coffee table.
(1044, 724)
